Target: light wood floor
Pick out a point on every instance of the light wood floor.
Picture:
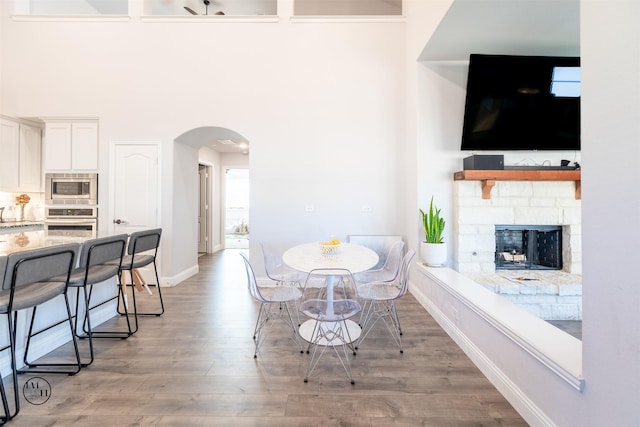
(194, 366)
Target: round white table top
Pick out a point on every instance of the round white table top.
(307, 257)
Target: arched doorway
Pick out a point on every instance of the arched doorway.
(218, 150)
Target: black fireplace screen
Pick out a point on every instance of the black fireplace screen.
(528, 247)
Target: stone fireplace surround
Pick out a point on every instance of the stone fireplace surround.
(513, 203)
(548, 295)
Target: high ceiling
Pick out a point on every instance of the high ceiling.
(522, 27)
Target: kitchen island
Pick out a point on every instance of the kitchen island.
(12, 240)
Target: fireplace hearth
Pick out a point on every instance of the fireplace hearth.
(528, 247)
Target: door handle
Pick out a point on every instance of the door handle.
(118, 221)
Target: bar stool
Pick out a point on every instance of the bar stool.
(142, 250)
(27, 284)
(100, 260)
(3, 394)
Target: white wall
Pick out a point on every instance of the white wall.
(611, 131)
(320, 104)
(178, 246)
(611, 95)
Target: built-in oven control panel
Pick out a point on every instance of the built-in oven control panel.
(71, 212)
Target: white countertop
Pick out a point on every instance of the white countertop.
(9, 226)
(25, 240)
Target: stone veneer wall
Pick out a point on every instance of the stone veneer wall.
(518, 203)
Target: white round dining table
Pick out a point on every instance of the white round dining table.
(349, 256)
(308, 257)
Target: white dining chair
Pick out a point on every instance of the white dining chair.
(277, 270)
(280, 272)
(389, 270)
(274, 305)
(379, 243)
(379, 303)
(330, 299)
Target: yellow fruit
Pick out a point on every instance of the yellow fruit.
(331, 242)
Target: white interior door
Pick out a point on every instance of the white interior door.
(135, 184)
(203, 172)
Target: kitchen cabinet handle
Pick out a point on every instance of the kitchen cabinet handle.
(118, 221)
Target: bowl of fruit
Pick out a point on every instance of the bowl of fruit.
(330, 247)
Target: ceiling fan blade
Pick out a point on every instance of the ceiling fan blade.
(191, 11)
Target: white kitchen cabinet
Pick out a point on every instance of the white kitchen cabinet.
(30, 169)
(71, 146)
(10, 149)
(20, 148)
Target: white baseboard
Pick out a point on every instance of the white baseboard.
(183, 275)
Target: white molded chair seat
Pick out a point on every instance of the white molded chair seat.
(318, 309)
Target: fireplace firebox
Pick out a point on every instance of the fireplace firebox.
(528, 247)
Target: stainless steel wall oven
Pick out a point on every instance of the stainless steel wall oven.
(71, 221)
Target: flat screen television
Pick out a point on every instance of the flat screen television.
(522, 103)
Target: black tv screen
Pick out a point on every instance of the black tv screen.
(522, 103)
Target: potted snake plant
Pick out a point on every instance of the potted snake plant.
(433, 250)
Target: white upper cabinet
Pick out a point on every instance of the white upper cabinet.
(20, 159)
(71, 146)
(30, 176)
(10, 149)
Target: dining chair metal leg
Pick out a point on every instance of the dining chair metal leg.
(330, 332)
(266, 317)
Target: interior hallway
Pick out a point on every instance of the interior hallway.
(194, 366)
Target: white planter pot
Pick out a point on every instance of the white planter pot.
(433, 254)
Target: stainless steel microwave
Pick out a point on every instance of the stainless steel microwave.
(71, 188)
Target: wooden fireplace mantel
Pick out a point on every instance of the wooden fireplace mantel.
(489, 178)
